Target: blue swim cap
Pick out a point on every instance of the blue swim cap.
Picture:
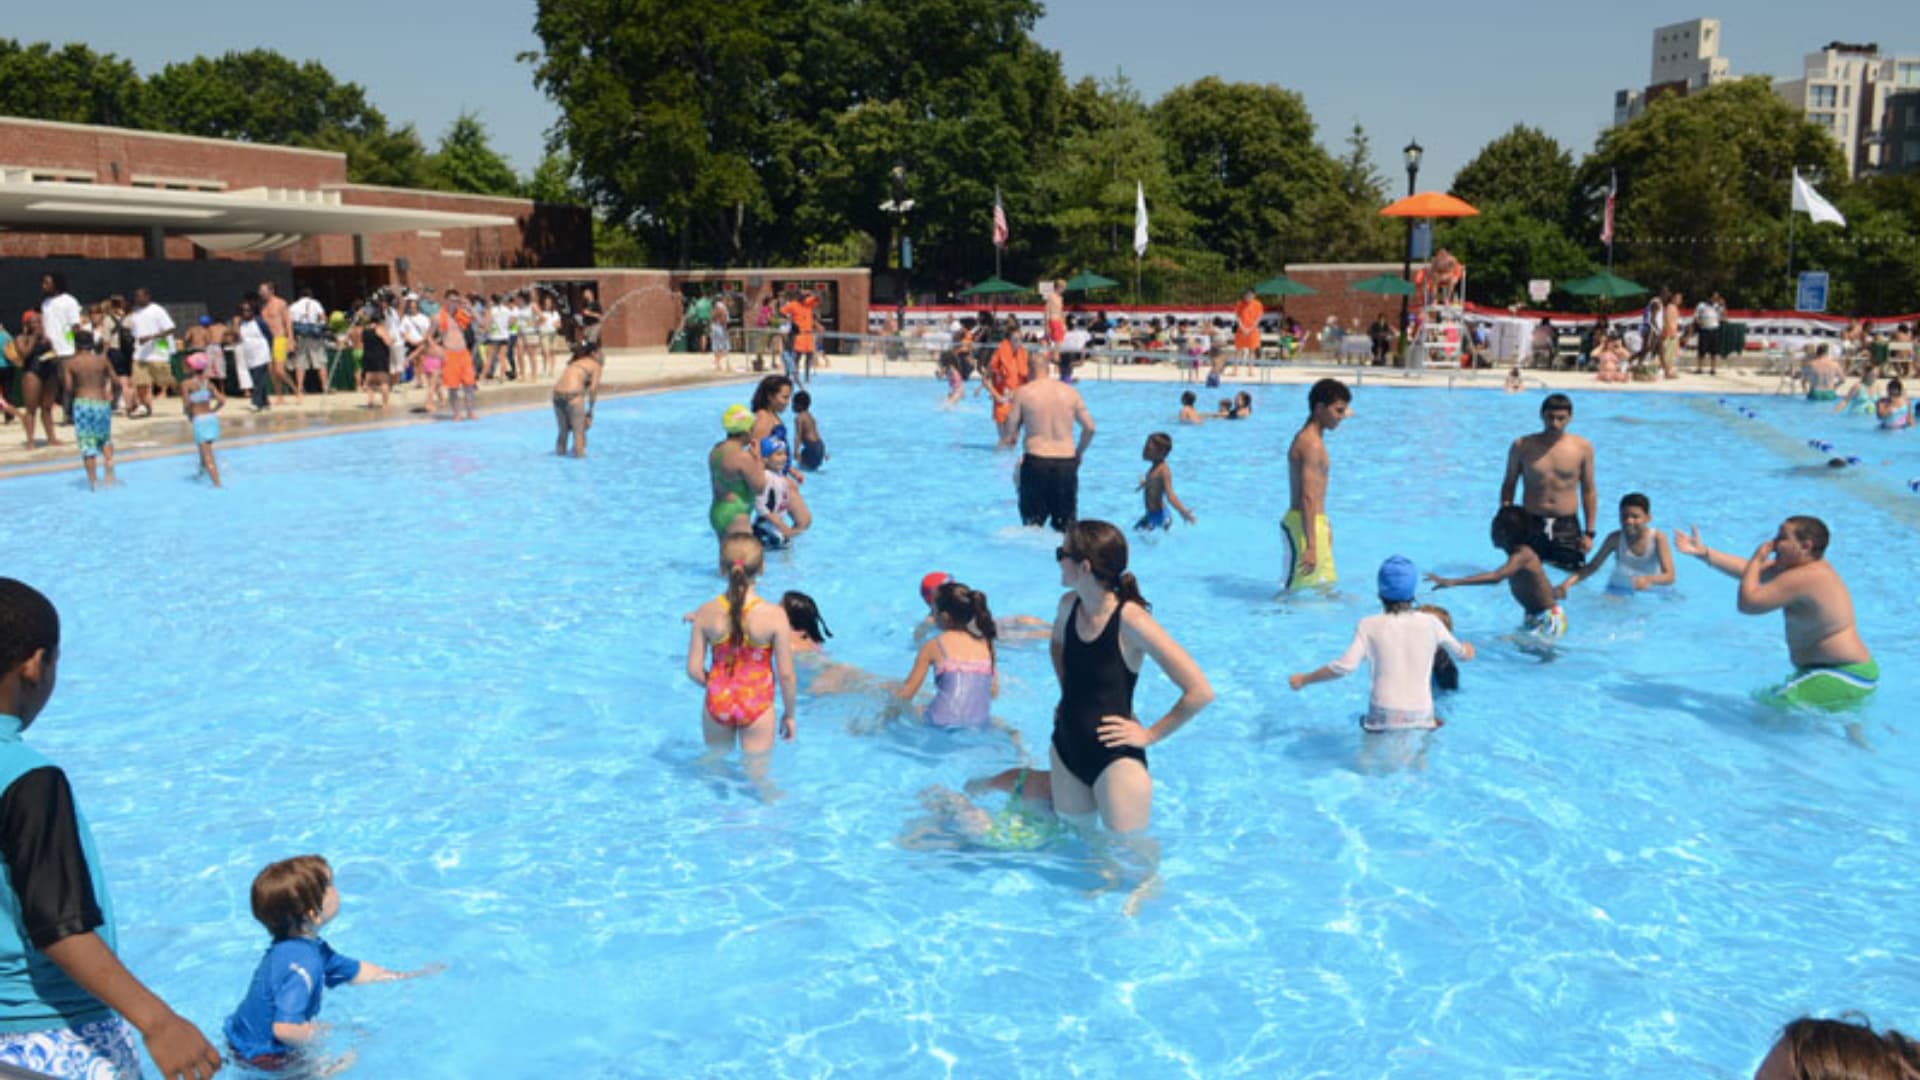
(206, 320)
(770, 446)
(1398, 579)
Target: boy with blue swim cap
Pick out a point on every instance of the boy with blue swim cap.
(780, 514)
(1400, 644)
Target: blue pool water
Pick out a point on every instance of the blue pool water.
(454, 665)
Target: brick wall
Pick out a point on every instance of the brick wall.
(1336, 297)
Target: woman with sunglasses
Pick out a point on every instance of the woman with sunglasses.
(1101, 636)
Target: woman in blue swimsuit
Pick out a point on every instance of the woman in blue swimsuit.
(1102, 634)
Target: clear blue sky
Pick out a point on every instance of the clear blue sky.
(1400, 68)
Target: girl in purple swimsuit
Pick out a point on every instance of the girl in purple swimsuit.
(961, 656)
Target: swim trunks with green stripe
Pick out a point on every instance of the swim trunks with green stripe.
(1829, 686)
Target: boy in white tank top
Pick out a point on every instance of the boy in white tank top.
(1641, 556)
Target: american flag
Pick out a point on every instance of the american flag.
(999, 221)
(1606, 226)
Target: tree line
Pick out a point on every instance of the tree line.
(764, 133)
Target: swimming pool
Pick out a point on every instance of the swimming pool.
(453, 664)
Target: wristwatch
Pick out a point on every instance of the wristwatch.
(1588, 534)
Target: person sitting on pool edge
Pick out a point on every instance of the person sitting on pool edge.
(1399, 644)
(1641, 558)
(1790, 574)
(1524, 574)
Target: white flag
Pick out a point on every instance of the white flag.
(1810, 201)
(1140, 219)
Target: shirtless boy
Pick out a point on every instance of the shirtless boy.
(1790, 574)
(89, 379)
(1157, 486)
(1522, 572)
(574, 396)
(1188, 414)
(1557, 470)
(1309, 538)
(1049, 474)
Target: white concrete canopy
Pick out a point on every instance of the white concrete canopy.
(263, 216)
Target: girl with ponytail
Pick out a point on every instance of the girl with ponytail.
(961, 656)
(1102, 634)
(752, 650)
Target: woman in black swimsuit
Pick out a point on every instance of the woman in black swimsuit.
(1101, 635)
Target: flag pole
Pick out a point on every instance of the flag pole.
(1790, 224)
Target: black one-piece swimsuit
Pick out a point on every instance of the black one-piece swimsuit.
(1094, 682)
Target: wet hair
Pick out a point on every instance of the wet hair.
(1555, 403)
(1894, 389)
(1188, 398)
(1510, 524)
(1327, 392)
(741, 559)
(769, 389)
(83, 339)
(1634, 498)
(804, 615)
(287, 893)
(1395, 607)
(1810, 531)
(1848, 1049)
(1243, 398)
(965, 609)
(28, 623)
(1104, 549)
(1438, 612)
(802, 401)
(1160, 441)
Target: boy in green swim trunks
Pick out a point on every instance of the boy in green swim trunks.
(1790, 574)
(736, 475)
(1309, 538)
(88, 378)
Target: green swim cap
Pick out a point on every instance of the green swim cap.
(737, 420)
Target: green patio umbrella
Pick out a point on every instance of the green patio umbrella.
(1606, 284)
(1086, 280)
(1384, 285)
(1282, 285)
(994, 286)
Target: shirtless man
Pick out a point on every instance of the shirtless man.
(1823, 375)
(273, 311)
(1670, 337)
(574, 396)
(88, 378)
(1559, 492)
(1308, 537)
(1790, 574)
(1048, 476)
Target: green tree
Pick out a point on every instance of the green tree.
(72, 84)
(1343, 224)
(1704, 187)
(1526, 168)
(1245, 164)
(263, 97)
(552, 179)
(1506, 246)
(466, 160)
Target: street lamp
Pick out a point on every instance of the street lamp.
(898, 206)
(1412, 151)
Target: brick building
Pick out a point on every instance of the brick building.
(199, 221)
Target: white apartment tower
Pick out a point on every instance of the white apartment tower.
(1845, 89)
(1686, 60)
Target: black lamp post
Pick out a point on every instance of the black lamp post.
(898, 207)
(1412, 151)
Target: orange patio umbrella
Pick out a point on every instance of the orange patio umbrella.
(1429, 204)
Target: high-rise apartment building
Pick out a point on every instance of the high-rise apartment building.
(1848, 89)
(1686, 59)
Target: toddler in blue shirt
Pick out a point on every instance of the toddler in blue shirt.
(293, 899)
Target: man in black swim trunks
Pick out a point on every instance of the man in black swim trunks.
(1558, 492)
(1049, 474)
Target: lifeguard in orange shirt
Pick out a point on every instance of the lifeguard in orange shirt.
(800, 311)
(1006, 372)
(1246, 331)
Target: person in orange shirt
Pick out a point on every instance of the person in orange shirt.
(457, 375)
(1006, 372)
(1246, 331)
(800, 312)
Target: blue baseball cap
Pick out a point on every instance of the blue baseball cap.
(1398, 579)
(770, 446)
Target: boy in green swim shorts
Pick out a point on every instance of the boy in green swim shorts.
(1790, 574)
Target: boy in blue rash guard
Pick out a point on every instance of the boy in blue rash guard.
(293, 899)
(63, 992)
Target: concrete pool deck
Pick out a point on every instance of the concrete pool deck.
(639, 371)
